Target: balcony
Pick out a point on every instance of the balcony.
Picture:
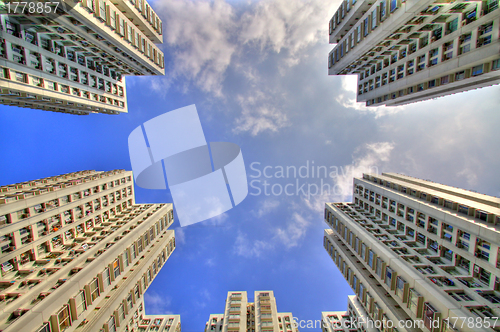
(442, 281)
(425, 269)
(472, 282)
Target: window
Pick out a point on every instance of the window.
(126, 258)
(413, 302)
(460, 75)
(121, 30)
(45, 328)
(495, 65)
(129, 301)
(102, 10)
(371, 255)
(477, 70)
(121, 311)
(490, 297)
(130, 34)
(116, 268)
(382, 10)
(112, 19)
(490, 6)
(106, 277)
(80, 303)
(394, 5)
(429, 312)
(137, 42)
(374, 19)
(134, 252)
(379, 267)
(388, 277)
(452, 26)
(111, 324)
(400, 285)
(63, 318)
(136, 292)
(460, 296)
(94, 289)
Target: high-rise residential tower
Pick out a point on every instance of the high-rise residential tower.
(71, 56)
(419, 252)
(77, 254)
(408, 51)
(259, 316)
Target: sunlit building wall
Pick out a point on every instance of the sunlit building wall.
(414, 250)
(77, 254)
(73, 57)
(409, 51)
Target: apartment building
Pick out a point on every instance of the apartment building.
(244, 316)
(355, 319)
(419, 252)
(414, 50)
(77, 254)
(71, 56)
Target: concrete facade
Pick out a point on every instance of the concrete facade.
(73, 58)
(414, 250)
(409, 51)
(259, 316)
(77, 254)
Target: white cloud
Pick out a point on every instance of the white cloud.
(157, 304)
(216, 221)
(203, 36)
(210, 262)
(204, 298)
(243, 247)
(293, 232)
(263, 118)
(366, 159)
(267, 206)
(197, 35)
(180, 236)
(286, 24)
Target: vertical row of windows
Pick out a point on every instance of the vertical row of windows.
(388, 276)
(126, 30)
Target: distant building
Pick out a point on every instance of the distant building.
(418, 251)
(73, 57)
(408, 51)
(77, 254)
(259, 316)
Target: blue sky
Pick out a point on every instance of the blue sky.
(257, 72)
